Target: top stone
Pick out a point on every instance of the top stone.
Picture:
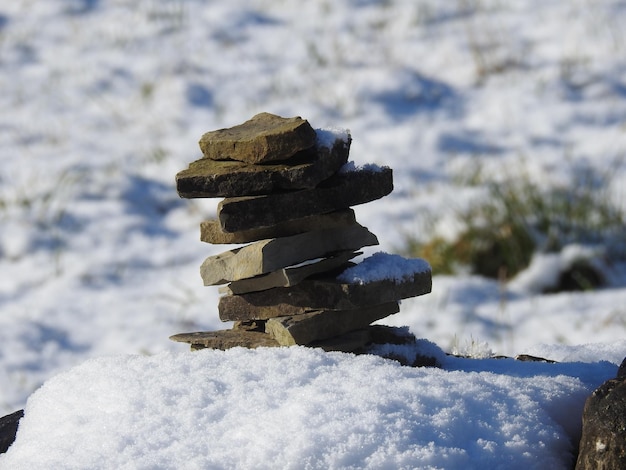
(264, 138)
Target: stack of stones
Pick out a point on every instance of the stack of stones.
(288, 190)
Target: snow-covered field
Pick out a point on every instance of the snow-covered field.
(103, 102)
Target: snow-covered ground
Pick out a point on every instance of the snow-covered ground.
(103, 102)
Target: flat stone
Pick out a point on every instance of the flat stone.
(349, 342)
(226, 339)
(266, 137)
(211, 230)
(287, 277)
(265, 256)
(305, 170)
(320, 294)
(341, 191)
(318, 325)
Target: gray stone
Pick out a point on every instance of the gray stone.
(603, 441)
(271, 255)
(320, 294)
(212, 178)
(266, 137)
(318, 325)
(338, 192)
(287, 277)
(226, 339)
(211, 230)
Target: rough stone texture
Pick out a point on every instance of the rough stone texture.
(211, 178)
(603, 441)
(211, 230)
(621, 372)
(264, 138)
(319, 294)
(271, 255)
(318, 325)
(226, 339)
(288, 277)
(338, 192)
(8, 429)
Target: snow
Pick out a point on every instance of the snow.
(384, 266)
(298, 408)
(352, 166)
(104, 102)
(328, 136)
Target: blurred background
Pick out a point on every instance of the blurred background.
(504, 123)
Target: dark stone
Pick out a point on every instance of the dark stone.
(266, 137)
(349, 342)
(8, 429)
(529, 358)
(621, 372)
(226, 339)
(211, 230)
(338, 192)
(211, 178)
(320, 294)
(603, 441)
(383, 334)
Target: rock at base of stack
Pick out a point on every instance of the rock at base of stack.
(288, 197)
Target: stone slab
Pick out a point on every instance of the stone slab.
(266, 137)
(357, 341)
(322, 324)
(290, 276)
(320, 294)
(211, 178)
(211, 230)
(226, 339)
(265, 256)
(341, 191)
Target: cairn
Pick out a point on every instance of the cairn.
(288, 190)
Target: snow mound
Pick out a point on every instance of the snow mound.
(384, 266)
(295, 408)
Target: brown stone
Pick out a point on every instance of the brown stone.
(266, 137)
(338, 192)
(211, 230)
(271, 255)
(322, 324)
(288, 276)
(320, 294)
(226, 339)
(212, 178)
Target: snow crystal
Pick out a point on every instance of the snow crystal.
(384, 266)
(298, 407)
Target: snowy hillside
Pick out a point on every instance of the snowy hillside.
(104, 102)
